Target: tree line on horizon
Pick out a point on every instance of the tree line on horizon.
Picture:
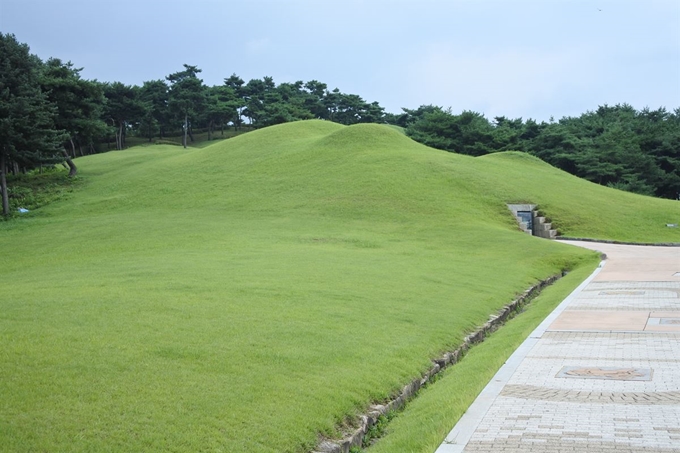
(49, 114)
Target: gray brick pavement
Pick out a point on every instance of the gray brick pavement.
(596, 408)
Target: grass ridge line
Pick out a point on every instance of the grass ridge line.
(356, 439)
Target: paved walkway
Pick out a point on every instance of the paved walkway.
(601, 374)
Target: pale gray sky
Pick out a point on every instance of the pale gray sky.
(524, 58)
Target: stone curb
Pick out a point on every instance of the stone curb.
(605, 241)
(366, 421)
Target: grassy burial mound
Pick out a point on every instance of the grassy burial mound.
(256, 294)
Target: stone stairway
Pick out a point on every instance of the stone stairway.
(542, 228)
(531, 222)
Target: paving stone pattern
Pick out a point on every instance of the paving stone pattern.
(540, 410)
(647, 296)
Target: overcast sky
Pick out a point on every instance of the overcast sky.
(524, 58)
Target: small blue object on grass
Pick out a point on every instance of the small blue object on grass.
(23, 211)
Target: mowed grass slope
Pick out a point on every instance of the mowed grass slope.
(255, 293)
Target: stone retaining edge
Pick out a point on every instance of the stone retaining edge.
(366, 421)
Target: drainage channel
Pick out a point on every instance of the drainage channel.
(355, 438)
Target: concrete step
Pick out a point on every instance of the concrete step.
(541, 227)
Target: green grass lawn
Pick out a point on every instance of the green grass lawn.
(426, 421)
(253, 294)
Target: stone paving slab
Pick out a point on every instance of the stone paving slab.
(527, 420)
(602, 374)
(601, 320)
(662, 328)
(560, 349)
(664, 314)
(629, 296)
(636, 263)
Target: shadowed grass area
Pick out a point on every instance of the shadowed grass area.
(201, 139)
(34, 190)
(255, 293)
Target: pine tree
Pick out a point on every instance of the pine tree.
(28, 135)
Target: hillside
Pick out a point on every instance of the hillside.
(255, 293)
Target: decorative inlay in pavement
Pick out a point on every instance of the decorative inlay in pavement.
(535, 410)
(628, 291)
(533, 392)
(611, 373)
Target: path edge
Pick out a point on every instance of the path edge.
(367, 420)
(463, 430)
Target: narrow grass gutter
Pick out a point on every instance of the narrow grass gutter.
(357, 438)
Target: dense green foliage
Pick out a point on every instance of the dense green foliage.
(79, 103)
(252, 294)
(637, 151)
(28, 135)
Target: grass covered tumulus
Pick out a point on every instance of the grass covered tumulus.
(257, 293)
